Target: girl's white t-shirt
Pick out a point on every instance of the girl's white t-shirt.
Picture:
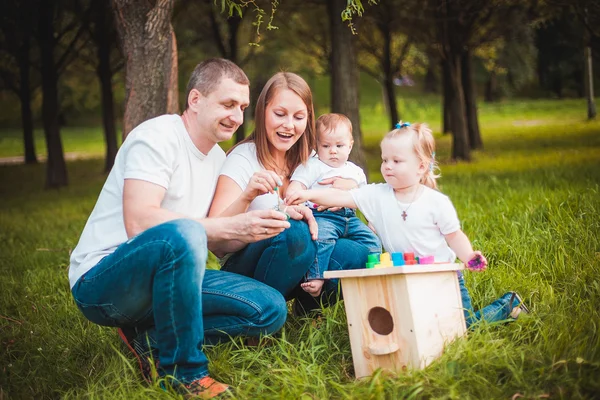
(240, 165)
(429, 218)
(159, 151)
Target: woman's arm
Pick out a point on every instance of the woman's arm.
(231, 200)
(323, 197)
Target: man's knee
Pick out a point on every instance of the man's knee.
(187, 238)
(274, 310)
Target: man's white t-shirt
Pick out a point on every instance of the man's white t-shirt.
(429, 218)
(315, 170)
(159, 151)
(240, 165)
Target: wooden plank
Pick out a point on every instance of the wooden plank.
(405, 269)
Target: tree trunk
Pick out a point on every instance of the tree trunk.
(470, 101)
(430, 83)
(446, 94)
(344, 78)
(102, 35)
(56, 169)
(491, 88)
(388, 78)
(147, 40)
(460, 143)
(589, 83)
(25, 92)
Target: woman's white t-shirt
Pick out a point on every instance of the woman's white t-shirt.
(429, 218)
(240, 165)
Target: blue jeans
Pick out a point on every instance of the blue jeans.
(158, 281)
(498, 310)
(334, 225)
(281, 261)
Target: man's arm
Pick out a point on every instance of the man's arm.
(141, 211)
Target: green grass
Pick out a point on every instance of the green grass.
(530, 202)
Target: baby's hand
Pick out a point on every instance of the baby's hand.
(299, 197)
(477, 262)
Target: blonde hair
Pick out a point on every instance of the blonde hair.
(328, 122)
(300, 151)
(423, 147)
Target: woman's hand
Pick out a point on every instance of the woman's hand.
(262, 182)
(299, 212)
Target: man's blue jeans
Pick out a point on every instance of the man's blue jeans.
(334, 225)
(498, 310)
(158, 281)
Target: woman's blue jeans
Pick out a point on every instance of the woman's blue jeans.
(498, 310)
(158, 281)
(282, 262)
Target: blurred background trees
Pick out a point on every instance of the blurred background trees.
(118, 63)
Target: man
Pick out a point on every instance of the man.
(140, 262)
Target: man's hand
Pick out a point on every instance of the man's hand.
(302, 212)
(257, 225)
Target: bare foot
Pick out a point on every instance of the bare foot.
(313, 287)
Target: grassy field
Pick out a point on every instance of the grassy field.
(530, 202)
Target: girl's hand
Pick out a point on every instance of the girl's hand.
(477, 262)
(262, 182)
(340, 183)
(302, 212)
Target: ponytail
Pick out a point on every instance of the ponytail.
(424, 148)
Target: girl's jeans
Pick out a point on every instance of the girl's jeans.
(334, 225)
(498, 310)
(158, 281)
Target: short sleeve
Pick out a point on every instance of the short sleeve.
(367, 200)
(362, 178)
(151, 157)
(307, 173)
(446, 217)
(238, 167)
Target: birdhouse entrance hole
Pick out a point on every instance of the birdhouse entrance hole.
(381, 320)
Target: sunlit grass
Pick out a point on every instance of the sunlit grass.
(530, 201)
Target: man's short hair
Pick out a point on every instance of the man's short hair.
(209, 73)
(328, 123)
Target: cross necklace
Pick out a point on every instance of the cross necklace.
(404, 211)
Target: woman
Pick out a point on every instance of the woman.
(283, 138)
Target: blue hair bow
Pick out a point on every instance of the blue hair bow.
(402, 125)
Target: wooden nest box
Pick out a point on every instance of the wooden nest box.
(401, 317)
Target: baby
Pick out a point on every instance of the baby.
(334, 142)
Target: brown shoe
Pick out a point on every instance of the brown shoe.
(205, 388)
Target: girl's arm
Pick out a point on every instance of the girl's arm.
(460, 244)
(323, 197)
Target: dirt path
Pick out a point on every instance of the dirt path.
(68, 157)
